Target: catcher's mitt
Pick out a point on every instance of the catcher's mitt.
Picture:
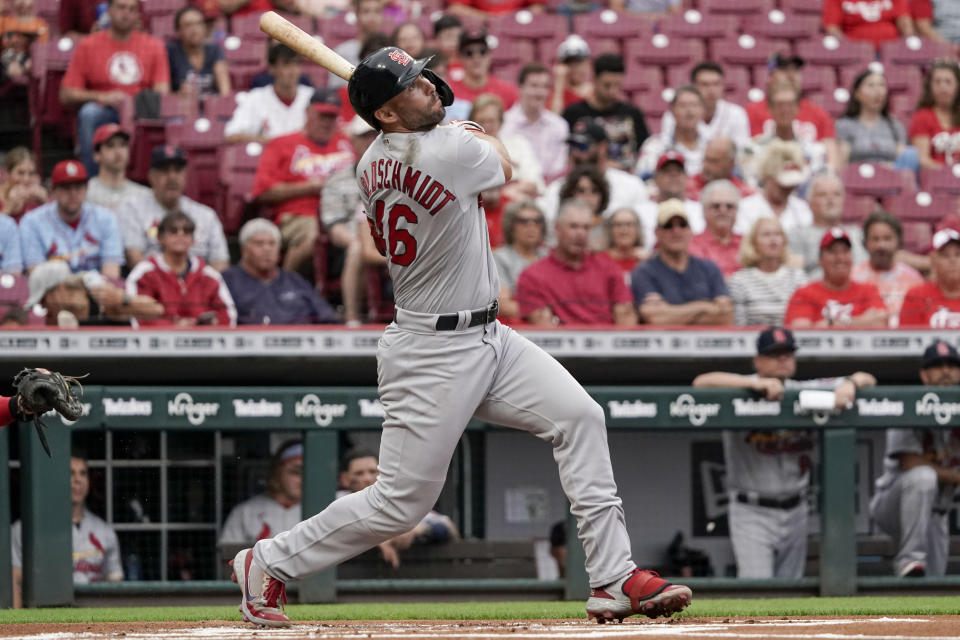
(39, 391)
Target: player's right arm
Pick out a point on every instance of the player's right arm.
(505, 162)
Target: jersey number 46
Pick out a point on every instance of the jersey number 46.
(403, 246)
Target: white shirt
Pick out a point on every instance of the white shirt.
(796, 214)
(261, 113)
(655, 146)
(526, 165)
(547, 135)
(140, 218)
(258, 518)
(648, 220)
(111, 198)
(96, 551)
(729, 120)
(626, 191)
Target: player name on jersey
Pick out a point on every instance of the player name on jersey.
(426, 191)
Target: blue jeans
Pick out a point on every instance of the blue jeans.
(908, 159)
(91, 116)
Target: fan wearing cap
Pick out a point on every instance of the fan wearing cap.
(768, 472)
(784, 100)
(624, 123)
(671, 182)
(140, 218)
(274, 110)
(574, 285)
(275, 510)
(921, 471)
(84, 235)
(572, 75)
(876, 21)
(674, 287)
(587, 145)
(836, 300)
(825, 197)
(686, 137)
(292, 171)
(936, 304)
(780, 170)
(110, 188)
(475, 78)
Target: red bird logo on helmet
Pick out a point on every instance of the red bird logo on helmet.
(400, 57)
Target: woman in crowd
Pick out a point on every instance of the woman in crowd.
(935, 127)
(625, 240)
(587, 183)
(762, 289)
(524, 229)
(21, 190)
(867, 132)
(197, 67)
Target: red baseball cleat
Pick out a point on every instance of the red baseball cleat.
(640, 592)
(263, 595)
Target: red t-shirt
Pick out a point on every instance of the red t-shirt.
(696, 184)
(815, 302)
(704, 245)
(254, 6)
(627, 265)
(506, 91)
(297, 158)
(576, 296)
(872, 20)
(815, 123)
(925, 306)
(100, 63)
(494, 7)
(944, 143)
(921, 9)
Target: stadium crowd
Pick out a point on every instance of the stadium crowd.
(676, 162)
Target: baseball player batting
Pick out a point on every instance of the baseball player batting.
(446, 358)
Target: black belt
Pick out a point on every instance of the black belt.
(450, 321)
(771, 503)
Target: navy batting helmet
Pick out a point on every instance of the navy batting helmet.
(384, 74)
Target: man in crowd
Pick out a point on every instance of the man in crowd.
(83, 235)
(369, 20)
(292, 172)
(768, 472)
(624, 123)
(276, 509)
(273, 110)
(475, 77)
(192, 292)
(674, 287)
(718, 243)
(529, 118)
(921, 471)
(109, 67)
(836, 300)
(588, 144)
(263, 292)
(883, 237)
(719, 163)
(96, 550)
(720, 118)
(110, 188)
(936, 304)
(671, 180)
(825, 195)
(573, 285)
(139, 218)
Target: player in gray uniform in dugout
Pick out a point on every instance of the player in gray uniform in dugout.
(768, 472)
(920, 477)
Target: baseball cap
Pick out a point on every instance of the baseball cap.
(107, 131)
(834, 234)
(166, 154)
(573, 48)
(781, 59)
(68, 172)
(775, 340)
(326, 101)
(944, 237)
(670, 156)
(44, 277)
(586, 132)
(670, 209)
(473, 36)
(938, 353)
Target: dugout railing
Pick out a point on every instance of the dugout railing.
(321, 413)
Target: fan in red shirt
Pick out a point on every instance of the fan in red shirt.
(876, 21)
(483, 9)
(191, 291)
(935, 127)
(836, 301)
(475, 77)
(936, 304)
(292, 171)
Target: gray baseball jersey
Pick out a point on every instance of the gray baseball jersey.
(257, 518)
(96, 551)
(942, 444)
(139, 219)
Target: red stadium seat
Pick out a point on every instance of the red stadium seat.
(654, 104)
(778, 25)
(220, 107)
(835, 52)
(343, 27)
(664, 51)
(902, 107)
(317, 74)
(173, 106)
(150, 9)
(876, 180)
(833, 102)
(49, 62)
(237, 169)
(857, 208)
(201, 139)
(945, 180)
(693, 24)
(917, 237)
(922, 206)
(638, 81)
(526, 25)
(245, 59)
(915, 51)
(14, 291)
(509, 51)
(900, 78)
(816, 78)
(736, 7)
(248, 27)
(610, 24)
(162, 27)
(49, 10)
(802, 7)
(599, 46)
(746, 50)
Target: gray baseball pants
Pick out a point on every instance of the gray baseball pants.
(430, 385)
(767, 542)
(904, 511)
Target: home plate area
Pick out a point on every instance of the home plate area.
(860, 628)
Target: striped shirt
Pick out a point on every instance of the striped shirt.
(759, 297)
(10, 258)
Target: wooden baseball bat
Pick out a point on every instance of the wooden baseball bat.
(284, 31)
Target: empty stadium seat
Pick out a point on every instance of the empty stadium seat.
(736, 7)
(638, 81)
(857, 208)
(237, 169)
(151, 9)
(876, 180)
(778, 25)
(693, 24)
(944, 180)
(914, 50)
(922, 206)
(654, 104)
(902, 107)
(201, 139)
(900, 78)
(245, 59)
(835, 52)
(664, 51)
(746, 50)
(14, 291)
(802, 7)
(917, 237)
(49, 64)
(343, 27)
(511, 52)
(49, 10)
(526, 25)
(173, 106)
(220, 107)
(833, 102)
(162, 27)
(610, 24)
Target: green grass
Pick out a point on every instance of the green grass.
(908, 605)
